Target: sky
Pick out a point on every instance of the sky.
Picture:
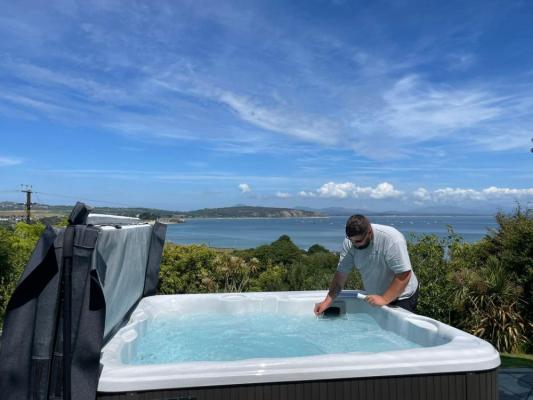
(181, 105)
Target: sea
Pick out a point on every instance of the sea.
(243, 233)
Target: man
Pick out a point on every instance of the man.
(379, 252)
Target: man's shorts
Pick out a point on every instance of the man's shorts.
(409, 303)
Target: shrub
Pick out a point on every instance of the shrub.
(512, 243)
(199, 269)
(273, 279)
(316, 248)
(282, 251)
(16, 246)
(313, 271)
(186, 269)
(510, 247)
(232, 274)
(427, 257)
(489, 302)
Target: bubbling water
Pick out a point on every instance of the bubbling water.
(229, 337)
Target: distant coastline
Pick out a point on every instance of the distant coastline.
(333, 216)
(11, 212)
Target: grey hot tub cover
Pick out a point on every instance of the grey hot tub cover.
(31, 352)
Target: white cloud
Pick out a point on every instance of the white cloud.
(245, 188)
(283, 195)
(457, 194)
(339, 190)
(306, 194)
(417, 111)
(499, 192)
(421, 194)
(384, 190)
(349, 189)
(377, 109)
(309, 128)
(8, 161)
(466, 194)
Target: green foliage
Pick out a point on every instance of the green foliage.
(16, 246)
(489, 303)
(431, 269)
(272, 279)
(199, 269)
(282, 251)
(232, 274)
(312, 272)
(512, 243)
(7, 278)
(149, 216)
(24, 239)
(185, 269)
(316, 248)
(55, 220)
(493, 283)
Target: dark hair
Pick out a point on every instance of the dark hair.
(357, 225)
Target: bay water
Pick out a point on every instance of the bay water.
(242, 233)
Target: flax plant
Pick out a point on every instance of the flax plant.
(487, 300)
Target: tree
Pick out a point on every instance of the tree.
(316, 248)
(282, 251)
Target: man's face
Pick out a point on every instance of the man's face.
(361, 241)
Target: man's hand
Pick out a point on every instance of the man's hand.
(323, 305)
(376, 300)
(337, 283)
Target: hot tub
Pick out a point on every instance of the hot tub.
(442, 362)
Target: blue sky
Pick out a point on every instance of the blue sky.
(191, 104)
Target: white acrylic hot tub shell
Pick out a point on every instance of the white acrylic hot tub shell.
(451, 350)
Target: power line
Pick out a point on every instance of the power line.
(64, 196)
(81, 199)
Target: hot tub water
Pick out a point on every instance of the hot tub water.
(228, 337)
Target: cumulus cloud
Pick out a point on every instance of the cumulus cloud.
(245, 188)
(457, 194)
(349, 189)
(497, 192)
(421, 194)
(283, 195)
(461, 194)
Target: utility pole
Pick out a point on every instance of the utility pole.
(27, 189)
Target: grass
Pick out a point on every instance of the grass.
(516, 360)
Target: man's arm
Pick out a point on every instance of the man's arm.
(337, 283)
(395, 289)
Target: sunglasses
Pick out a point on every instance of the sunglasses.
(361, 240)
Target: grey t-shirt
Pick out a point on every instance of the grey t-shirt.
(385, 256)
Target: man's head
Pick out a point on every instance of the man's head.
(359, 231)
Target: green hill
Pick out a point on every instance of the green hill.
(250, 212)
(7, 208)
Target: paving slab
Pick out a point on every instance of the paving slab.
(516, 383)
